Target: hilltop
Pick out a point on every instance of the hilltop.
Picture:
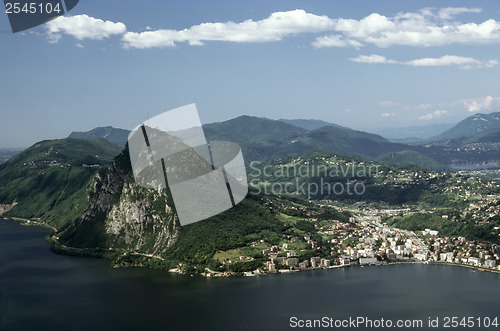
(109, 133)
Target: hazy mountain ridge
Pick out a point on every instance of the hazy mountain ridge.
(259, 138)
(265, 139)
(474, 143)
(345, 141)
(412, 133)
(111, 134)
(309, 124)
(471, 126)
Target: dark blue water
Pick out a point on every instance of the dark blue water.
(40, 290)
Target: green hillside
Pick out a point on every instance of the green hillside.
(259, 138)
(48, 179)
(321, 174)
(413, 158)
(491, 136)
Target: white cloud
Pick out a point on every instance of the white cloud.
(372, 59)
(428, 27)
(387, 114)
(430, 116)
(79, 45)
(480, 104)
(273, 28)
(452, 60)
(82, 27)
(446, 60)
(423, 29)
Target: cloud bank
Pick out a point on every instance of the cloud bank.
(274, 28)
(428, 27)
(425, 28)
(446, 60)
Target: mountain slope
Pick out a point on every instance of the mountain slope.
(121, 215)
(490, 136)
(471, 126)
(264, 139)
(345, 141)
(48, 179)
(413, 158)
(137, 225)
(308, 124)
(259, 138)
(114, 135)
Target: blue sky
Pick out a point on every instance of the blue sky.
(362, 64)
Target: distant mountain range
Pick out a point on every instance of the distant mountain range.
(407, 134)
(413, 133)
(471, 126)
(248, 130)
(265, 139)
(114, 135)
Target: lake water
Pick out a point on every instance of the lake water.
(41, 290)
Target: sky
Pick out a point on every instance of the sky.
(361, 64)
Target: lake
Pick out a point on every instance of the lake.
(40, 290)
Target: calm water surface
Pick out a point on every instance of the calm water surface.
(40, 290)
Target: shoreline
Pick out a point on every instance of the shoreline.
(75, 251)
(29, 222)
(496, 271)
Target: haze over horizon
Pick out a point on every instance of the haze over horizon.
(360, 65)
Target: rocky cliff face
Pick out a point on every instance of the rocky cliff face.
(141, 221)
(123, 216)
